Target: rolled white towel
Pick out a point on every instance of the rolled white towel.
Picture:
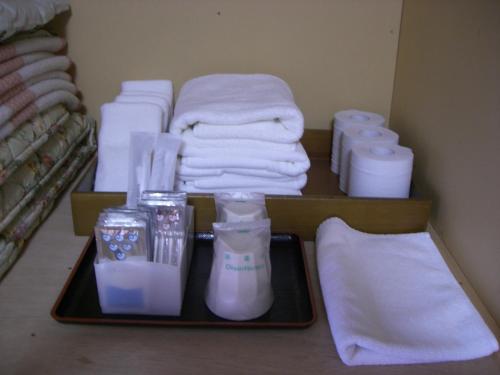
(235, 106)
(390, 299)
(118, 120)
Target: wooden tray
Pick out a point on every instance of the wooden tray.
(293, 305)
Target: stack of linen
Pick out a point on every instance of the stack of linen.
(43, 143)
(241, 132)
(142, 106)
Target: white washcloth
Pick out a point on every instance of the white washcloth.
(190, 141)
(250, 106)
(152, 99)
(247, 160)
(232, 181)
(118, 120)
(391, 299)
(261, 189)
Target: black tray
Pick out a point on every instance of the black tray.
(293, 305)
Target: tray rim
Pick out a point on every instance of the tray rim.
(184, 323)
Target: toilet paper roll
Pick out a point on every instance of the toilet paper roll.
(382, 171)
(358, 134)
(242, 212)
(345, 119)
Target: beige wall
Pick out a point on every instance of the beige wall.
(447, 107)
(335, 54)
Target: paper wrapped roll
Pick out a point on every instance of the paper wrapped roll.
(242, 212)
(382, 171)
(345, 119)
(358, 134)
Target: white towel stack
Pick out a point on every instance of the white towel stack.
(241, 132)
(142, 106)
(390, 299)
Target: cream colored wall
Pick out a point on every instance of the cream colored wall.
(446, 107)
(335, 54)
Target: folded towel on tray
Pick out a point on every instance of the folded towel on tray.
(39, 105)
(152, 99)
(118, 120)
(30, 45)
(290, 164)
(234, 181)
(186, 173)
(21, 100)
(250, 106)
(391, 299)
(254, 189)
(56, 74)
(190, 141)
(32, 70)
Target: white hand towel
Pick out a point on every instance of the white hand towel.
(118, 120)
(152, 99)
(247, 159)
(157, 86)
(190, 140)
(390, 299)
(231, 181)
(251, 106)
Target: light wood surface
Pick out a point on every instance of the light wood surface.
(32, 343)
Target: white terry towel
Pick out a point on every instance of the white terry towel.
(190, 141)
(153, 99)
(232, 181)
(260, 189)
(118, 120)
(290, 164)
(189, 174)
(250, 106)
(159, 87)
(391, 299)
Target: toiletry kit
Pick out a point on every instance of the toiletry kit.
(143, 255)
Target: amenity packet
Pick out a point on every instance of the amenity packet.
(164, 162)
(123, 235)
(240, 206)
(140, 158)
(169, 222)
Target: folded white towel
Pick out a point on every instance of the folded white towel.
(188, 174)
(152, 99)
(290, 164)
(190, 141)
(250, 106)
(391, 299)
(260, 189)
(163, 87)
(118, 120)
(232, 181)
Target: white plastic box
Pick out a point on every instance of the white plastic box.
(143, 287)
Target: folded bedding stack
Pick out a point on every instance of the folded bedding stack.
(43, 142)
(142, 106)
(240, 133)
